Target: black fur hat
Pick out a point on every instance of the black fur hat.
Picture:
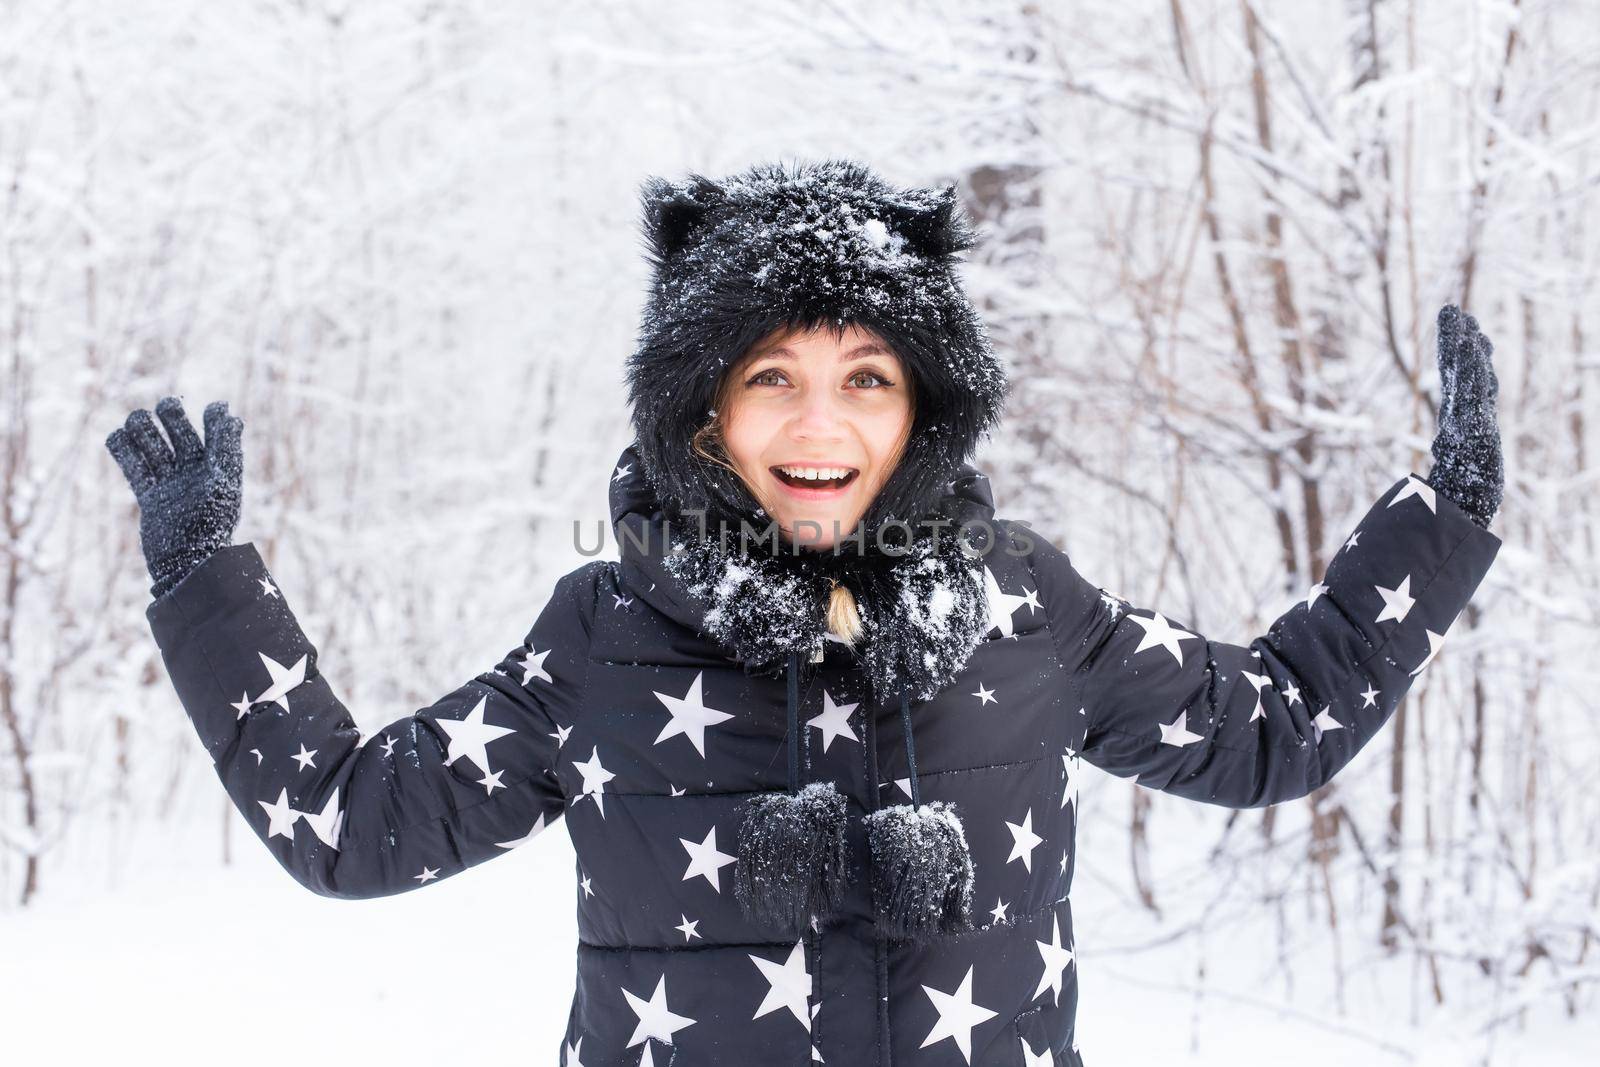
(817, 244)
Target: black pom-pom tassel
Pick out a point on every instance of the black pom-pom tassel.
(792, 857)
(921, 870)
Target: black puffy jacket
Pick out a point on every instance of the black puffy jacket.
(616, 711)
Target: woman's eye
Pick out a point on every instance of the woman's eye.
(870, 377)
(863, 379)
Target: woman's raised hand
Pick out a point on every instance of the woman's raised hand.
(188, 492)
(1467, 466)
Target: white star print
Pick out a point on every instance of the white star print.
(958, 1015)
(1056, 962)
(470, 737)
(1352, 542)
(1069, 782)
(1419, 489)
(388, 746)
(1024, 841)
(1001, 605)
(561, 734)
(1435, 642)
(655, 1018)
(1291, 694)
(1368, 694)
(834, 721)
(595, 778)
(687, 927)
(242, 705)
(283, 680)
(267, 588)
(690, 716)
(789, 984)
(1177, 731)
(573, 1052)
(326, 823)
(588, 891)
(1159, 632)
(1396, 602)
(535, 831)
(256, 752)
(985, 696)
(1260, 681)
(1031, 1058)
(1325, 721)
(280, 816)
(428, 874)
(621, 601)
(622, 472)
(705, 860)
(303, 757)
(533, 666)
(999, 910)
(1316, 590)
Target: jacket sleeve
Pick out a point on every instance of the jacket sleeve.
(465, 779)
(1246, 726)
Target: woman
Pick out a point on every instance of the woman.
(820, 649)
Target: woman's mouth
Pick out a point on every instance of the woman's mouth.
(814, 483)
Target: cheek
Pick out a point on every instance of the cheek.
(743, 438)
(882, 433)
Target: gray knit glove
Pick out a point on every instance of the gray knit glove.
(188, 493)
(1467, 467)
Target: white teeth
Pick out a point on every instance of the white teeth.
(816, 473)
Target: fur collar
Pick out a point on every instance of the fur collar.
(923, 611)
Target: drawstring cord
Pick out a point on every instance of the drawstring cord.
(794, 722)
(911, 747)
(797, 740)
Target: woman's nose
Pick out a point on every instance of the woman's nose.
(819, 417)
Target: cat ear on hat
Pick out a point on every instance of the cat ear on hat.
(672, 210)
(935, 226)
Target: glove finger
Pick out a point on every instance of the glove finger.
(185, 442)
(1483, 348)
(1449, 385)
(129, 459)
(1449, 348)
(146, 438)
(1449, 328)
(224, 444)
(215, 412)
(1476, 387)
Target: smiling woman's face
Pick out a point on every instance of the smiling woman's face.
(814, 424)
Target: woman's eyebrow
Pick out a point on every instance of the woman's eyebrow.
(861, 351)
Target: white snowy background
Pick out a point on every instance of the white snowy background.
(402, 241)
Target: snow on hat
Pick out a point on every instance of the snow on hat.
(824, 243)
